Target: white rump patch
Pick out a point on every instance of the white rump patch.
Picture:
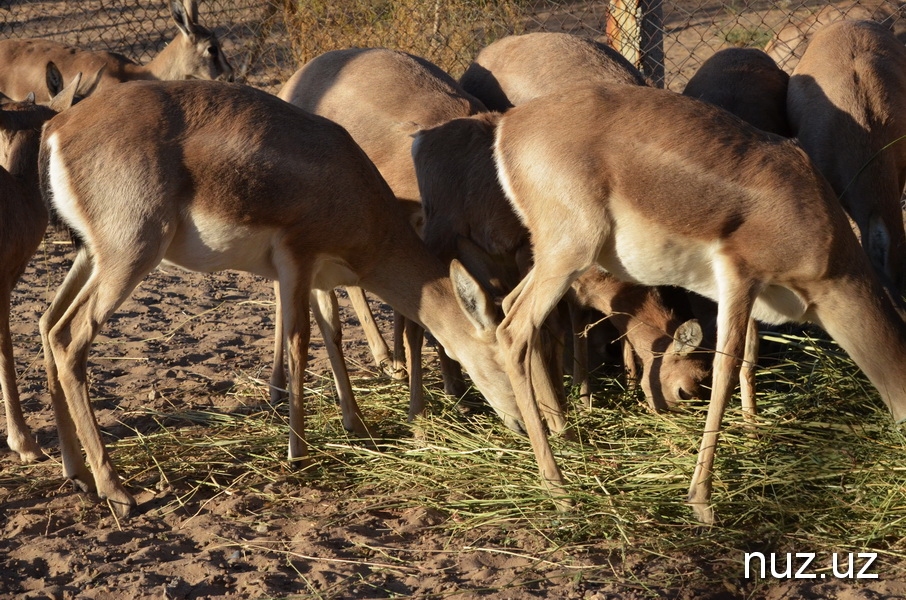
(63, 197)
(502, 175)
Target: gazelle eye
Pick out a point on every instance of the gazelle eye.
(212, 51)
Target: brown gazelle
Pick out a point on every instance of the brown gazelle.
(846, 105)
(382, 97)
(194, 54)
(659, 188)
(213, 176)
(791, 41)
(746, 82)
(519, 68)
(468, 217)
(22, 228)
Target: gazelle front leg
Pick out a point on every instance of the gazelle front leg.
(527, 307)
(747, 373)
(414, 335)
(579, 370)
(733, 316)
(278, 372)
(376, 343)
(327, 315)
(295, 294)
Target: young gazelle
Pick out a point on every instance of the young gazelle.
(194, 54)
(22, 228)
(212, 176)
(659, 188)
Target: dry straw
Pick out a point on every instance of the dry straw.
(821, 469)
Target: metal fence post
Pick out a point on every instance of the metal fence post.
(651, 41)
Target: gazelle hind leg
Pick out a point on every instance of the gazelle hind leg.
(69, 340)
(379, 349)
(278, 372)
(327, 315)
(733, 315)
(74, 467)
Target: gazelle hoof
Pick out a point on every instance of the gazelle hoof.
(704, 512)
(27, 449)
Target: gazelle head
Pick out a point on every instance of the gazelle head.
(196, 53)
(678, 365)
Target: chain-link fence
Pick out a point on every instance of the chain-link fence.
(267, 39)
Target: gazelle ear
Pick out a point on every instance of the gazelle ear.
(88, 86)
(53, 78)
(687, 338)
(489, 273)
(472, 298)
(63, 97)
(185, 16)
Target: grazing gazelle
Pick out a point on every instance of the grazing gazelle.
(194, 54)
(213, 176)
(22, 228)
(467, 216)
(748, 83)
(662, 189)
(382, 97)
(519, 68)
(846, 104)
(791, 41)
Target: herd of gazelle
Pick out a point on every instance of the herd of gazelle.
(596, 188)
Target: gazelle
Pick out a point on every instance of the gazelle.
(212, 176)
(748, 83)
(845, 104)
(22, 228)
(791, 41)
(194, 54)
(468, 217)
(382, 97)
(519, 68)
(659, 188)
